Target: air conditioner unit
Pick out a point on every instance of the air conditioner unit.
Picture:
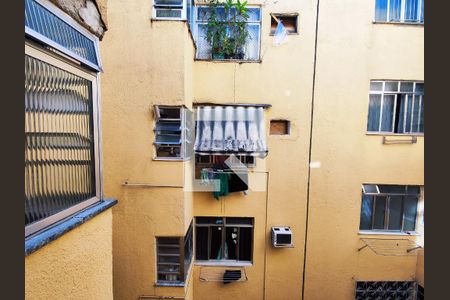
(282, 237)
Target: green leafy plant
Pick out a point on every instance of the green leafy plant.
(227, 29)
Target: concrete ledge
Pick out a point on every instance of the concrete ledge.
(50, 234)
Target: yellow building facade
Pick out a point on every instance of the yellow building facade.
(319, 82)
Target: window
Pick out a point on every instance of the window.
(396, 107)
(252, 46)
(404, 11)
(173, 132)
(169, 9)
(174, 257)
(389, 207)
(61, 117)
(289, 21)
(280, 127)
(224, 239)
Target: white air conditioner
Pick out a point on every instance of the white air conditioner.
(169, 9)
(282, 237)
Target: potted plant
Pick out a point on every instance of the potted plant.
(227, 33)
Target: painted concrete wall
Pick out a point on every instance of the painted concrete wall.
(77, 265)
(146, 63)
(351, 51)
(283, 79)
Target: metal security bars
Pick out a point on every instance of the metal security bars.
(252, 46)
(396, 107)
(61, 166)
(47, 24)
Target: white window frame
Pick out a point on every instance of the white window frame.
(185, 153)
(402, 13)
(183, 8)
(196, 24)
(383, 93)
(51, 58)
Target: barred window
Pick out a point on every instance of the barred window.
(396, 107)
(251, 49)
(174, 257)
(224, 239)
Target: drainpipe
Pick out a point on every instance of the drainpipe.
(310, 149)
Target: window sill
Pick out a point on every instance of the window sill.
(394, 134)
(42, 238)
(238, 61)
(399, 23)
(374, 232)
(222, 264)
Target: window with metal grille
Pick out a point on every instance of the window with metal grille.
(253, 24)
(61, 160)
(174, 257)
(396, 107)
(403, 11)
(389, 207)
(51, 26)
(224, 239)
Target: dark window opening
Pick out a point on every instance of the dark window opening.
(174, 257)
(280, 127)
(228, 239)
(290, 22)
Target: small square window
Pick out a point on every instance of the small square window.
(280, 127)
(290, 22)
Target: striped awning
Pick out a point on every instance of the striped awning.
(230, 130)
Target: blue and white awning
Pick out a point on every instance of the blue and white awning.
(230, 130)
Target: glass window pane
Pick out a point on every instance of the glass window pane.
(400, 113)
(254, 14)
(421, 121)
(376, 86)
(231, 242)
(413, 190)
(209, 220)
(422, 11)
(415, 114)
(370, 188)
(366, 213)
(374, 113)
(395, 213)
(388, 112)
(408, 112)
(411, 10)
(395, 10)
(245, 243)
(169, 2)
(216, 242)
(238, 221)
(392, 189)
(252, 45)
(410, 212)
(420, 88)
(406, 86)
(381, 10)
(391, 86)
(380, 210)
(201, 243)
